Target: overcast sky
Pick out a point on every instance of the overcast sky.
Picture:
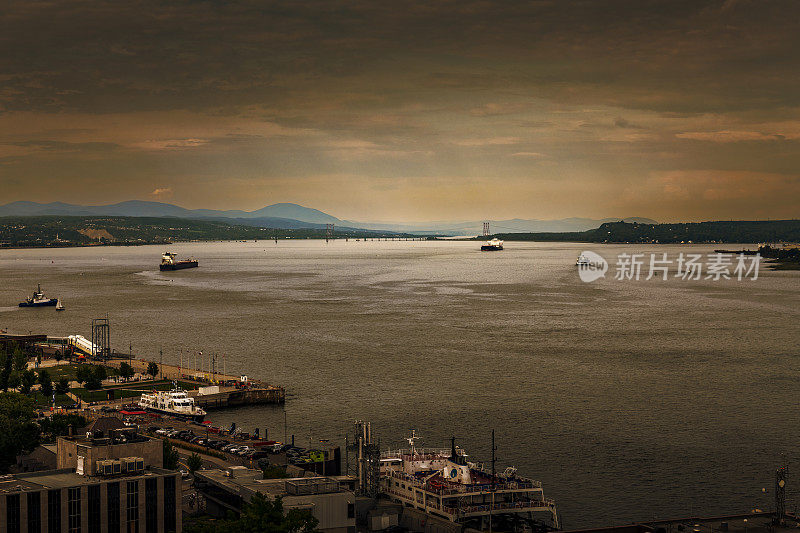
(403, 111)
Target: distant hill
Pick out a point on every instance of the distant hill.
(293, 216)
(138, 208)
(61, 230)
(739, 231)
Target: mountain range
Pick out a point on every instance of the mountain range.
(293, 216)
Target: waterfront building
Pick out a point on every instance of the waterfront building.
(109, 479)
(63, 501)
(328, 500)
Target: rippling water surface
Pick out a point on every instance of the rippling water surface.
(628, 400)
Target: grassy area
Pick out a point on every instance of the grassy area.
(44, 401)
(70, 370)
(102, 394)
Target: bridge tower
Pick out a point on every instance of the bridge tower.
(486, 231)
(328, 232)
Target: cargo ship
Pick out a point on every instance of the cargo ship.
(173, 403)
(169, 262)
(39, 300)
(493, 245)
(445, 484)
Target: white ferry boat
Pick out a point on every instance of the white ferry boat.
(174, 403)
(443, 483)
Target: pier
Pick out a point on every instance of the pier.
(210, 388)
(215, 390)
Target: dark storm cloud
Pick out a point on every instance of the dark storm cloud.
(682, 56)
(585, 108)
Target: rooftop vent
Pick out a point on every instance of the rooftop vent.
(132, 465)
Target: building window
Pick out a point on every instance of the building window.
(54, 511)
(93, 509)
(169, 503)
(12, 513)
(113, 507)
(74, 510)
(132, 501)
(351, 510)
(151, 505)
(34, 512)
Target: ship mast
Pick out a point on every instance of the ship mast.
(411, 441)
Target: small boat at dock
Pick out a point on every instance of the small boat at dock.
(173, 403)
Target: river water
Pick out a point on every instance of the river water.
(628, 399)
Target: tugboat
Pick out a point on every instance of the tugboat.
(168, 262)
(38, 299)
(493, 245)
(174, 403)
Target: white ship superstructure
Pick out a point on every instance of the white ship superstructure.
(445, 484)
(175, 403)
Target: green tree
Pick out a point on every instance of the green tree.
(260, 515)
(265, 515)
(83, 374)
(93, 383)
(62, 387)
(45, 382)
(126, 371)
(58, 425)
(14, 381)
(27, 380)
(18, 432)
(152, 369)
(170, 456)
(20, 360)
(5, 373)
(100, 372)
(194, 462)
(273, 472)
(96, 377)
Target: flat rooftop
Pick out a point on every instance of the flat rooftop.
(248, 481)
(63, 478)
